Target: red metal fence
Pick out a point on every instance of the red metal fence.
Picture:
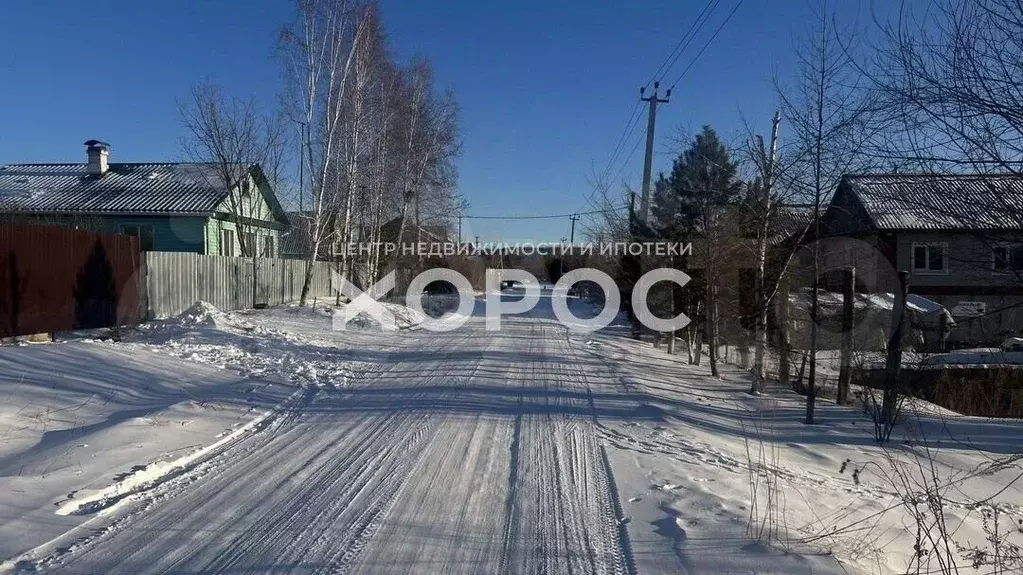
(58, 279)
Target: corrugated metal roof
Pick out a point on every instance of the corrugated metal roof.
(791, 220)
(940, 202)
(133, 188)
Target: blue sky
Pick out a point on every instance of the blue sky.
(546, 86)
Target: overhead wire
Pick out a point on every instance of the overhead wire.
(633, 121)
(684, 42)
(706, 44)
(540, 216)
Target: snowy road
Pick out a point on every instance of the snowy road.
(464, 452)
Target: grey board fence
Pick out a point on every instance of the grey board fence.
(175, 281)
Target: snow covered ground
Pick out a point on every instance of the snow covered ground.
(265, 441)
(825, 492)
(78, 417)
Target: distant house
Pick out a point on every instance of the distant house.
(173, 207)
(960, 237)
(389, 232)
(296, 240)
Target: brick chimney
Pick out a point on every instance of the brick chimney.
(98, 153)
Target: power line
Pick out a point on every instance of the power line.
(666, 65)
(544, 217)
(635, 147)
(684, 42)
(630, 126)
(669, 61)
(711, 39)
(634, 117)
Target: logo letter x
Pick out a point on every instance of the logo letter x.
(366, 302)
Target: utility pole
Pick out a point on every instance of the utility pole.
(561, 260)
(574, 218)
(459, 229)
(653, 100)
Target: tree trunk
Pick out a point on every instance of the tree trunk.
(784, 346)
(893, 361)
(671, 334)
(811, 380)
(799, 386)
(760, 327)
(314, 248)
(712, 328)
(848, 310)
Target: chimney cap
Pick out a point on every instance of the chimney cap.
(97, 144)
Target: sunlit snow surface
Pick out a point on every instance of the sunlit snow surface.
(265, 441)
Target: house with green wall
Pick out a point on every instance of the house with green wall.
(171, 207)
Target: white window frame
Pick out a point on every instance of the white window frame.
(224, 236)
(927, 271)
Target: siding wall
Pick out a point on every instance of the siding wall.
(252, 206)
(175, 281)
(970, 277)
(970, 259)
(215, 227)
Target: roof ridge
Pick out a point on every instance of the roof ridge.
(932, 175)
(83, 164)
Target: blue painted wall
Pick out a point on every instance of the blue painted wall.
(170, 233)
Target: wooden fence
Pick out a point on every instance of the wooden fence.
(982, 390)
(175, 281)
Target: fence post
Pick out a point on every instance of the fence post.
(848, 309)
(147, 308)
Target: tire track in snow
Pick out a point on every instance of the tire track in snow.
(563, 519)
(473, 452)
(239, 485)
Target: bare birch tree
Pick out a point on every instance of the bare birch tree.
(826, 111)
(240, 149)
(429, 145)
(319, 51)
(357, 137)
(764, 203)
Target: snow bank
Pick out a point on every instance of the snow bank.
(404, 317)
(149, 476)
(238, 341)
(974, 358)
(199, 314)
(143, 410)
